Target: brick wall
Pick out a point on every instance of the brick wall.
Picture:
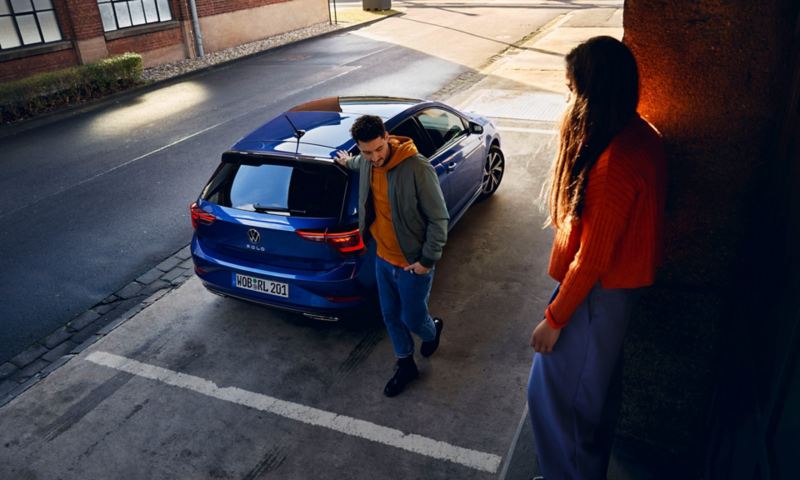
(85, 17)
(64, 21)
(145, 42)
(22, 67)
(80, 23)
(714, 82)
(207, 8)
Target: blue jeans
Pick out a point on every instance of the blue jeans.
(404, 304)
(574, 393)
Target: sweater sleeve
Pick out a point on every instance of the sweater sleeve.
(610, 195)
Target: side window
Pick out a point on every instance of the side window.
(442, 126)
(409, 128)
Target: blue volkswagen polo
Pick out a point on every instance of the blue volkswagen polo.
(277, 223)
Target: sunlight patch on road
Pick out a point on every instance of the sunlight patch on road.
(150, 109)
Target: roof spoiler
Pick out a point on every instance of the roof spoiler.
(334, 104)
(328, 104)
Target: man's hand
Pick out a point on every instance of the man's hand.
(417, 269)
(342, 157)
(544, 337)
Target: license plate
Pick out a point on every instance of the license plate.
(256, 284)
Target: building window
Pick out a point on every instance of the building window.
(118, 14)
(27, 22)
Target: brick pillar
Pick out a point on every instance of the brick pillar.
(90, 43)
(714, 80)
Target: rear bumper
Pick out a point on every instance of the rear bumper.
(310, 292)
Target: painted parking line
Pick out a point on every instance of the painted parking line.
(482, 461)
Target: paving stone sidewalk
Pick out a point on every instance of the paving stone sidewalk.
(49, 353)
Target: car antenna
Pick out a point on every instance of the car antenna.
(298, 134)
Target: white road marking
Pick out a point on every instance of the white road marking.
(485, 462)
(543, 131)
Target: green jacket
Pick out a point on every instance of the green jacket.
(419, 213)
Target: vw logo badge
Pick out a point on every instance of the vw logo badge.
(253, 235)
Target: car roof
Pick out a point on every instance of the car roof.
(325, 124)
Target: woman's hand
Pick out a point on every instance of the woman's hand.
(544, 337)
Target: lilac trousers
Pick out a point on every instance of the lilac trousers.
(574, 393)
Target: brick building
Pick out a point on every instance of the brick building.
(42, 35)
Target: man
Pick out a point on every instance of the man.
(400, 206)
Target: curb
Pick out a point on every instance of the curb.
(67, 112)
(42, 358)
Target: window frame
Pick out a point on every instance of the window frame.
(34, 12)
(424, 142)
(450, 142)
(162, 18)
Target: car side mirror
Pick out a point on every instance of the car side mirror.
(475, 128)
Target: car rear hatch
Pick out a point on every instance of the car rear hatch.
(284, 212)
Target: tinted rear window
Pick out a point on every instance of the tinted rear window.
(299, 189)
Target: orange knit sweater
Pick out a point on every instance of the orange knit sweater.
(618, 239)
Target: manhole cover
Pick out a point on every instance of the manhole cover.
(535, 106)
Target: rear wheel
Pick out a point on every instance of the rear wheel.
(493, 170)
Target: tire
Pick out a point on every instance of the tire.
(493, 171)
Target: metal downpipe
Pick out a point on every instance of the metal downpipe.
(198, 35)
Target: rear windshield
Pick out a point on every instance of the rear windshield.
(296, 189)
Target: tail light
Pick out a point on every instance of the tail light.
(344, 242)
(200, 216)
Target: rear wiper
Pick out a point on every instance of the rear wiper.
(279, 210)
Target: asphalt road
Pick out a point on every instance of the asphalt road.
(200, 387)
(92, 201)
(197, 386)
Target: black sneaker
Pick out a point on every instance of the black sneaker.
(404, 372)
(427, 348)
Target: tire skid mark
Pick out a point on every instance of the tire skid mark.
(361, 351)
(273, 459)
(85, 406)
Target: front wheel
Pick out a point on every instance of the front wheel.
(492, 172)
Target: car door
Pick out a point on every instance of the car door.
(457, 152)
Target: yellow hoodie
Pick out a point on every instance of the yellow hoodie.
(382, 229)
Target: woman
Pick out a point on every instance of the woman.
(606, 205)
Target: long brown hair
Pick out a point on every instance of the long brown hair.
(604, 84)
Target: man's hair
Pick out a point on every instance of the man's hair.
(367, 128)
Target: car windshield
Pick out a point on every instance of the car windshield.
(296, 189)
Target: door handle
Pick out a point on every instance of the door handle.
(451, 166)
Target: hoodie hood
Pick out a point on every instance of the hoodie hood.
(402, 148)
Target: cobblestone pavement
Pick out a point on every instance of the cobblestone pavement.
(46, 355)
